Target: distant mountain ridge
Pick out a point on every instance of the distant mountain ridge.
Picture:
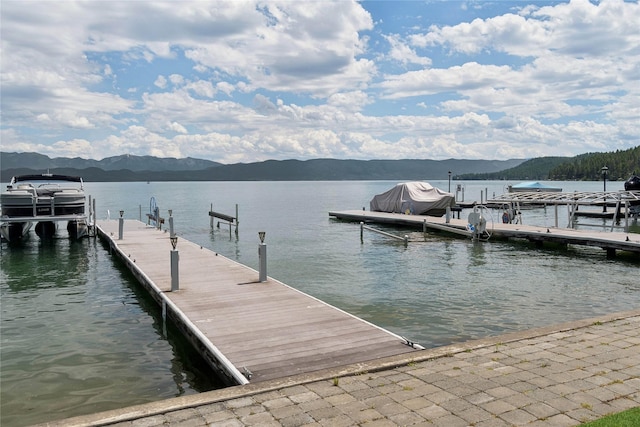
(148, 168)
(37, 161)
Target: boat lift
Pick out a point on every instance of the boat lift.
(231, 221)
(629, 200)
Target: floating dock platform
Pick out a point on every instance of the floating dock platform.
(245, 329)
(609, 241)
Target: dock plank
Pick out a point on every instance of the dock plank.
(608, 240)
(269, 328)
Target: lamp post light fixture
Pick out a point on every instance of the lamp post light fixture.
(449, 181)
(175, 259)
(171, 230)
(121, 225)
(262, 258)
(605, 171)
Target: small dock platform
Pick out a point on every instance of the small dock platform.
(246, 329)
(609, 241)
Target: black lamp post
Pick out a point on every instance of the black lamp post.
(605, 171)
(449, 181)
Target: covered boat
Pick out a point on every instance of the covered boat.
(416, 198)
(632, 184)
(532, 186)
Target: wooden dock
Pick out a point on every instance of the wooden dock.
(244, 328)
(609, 241)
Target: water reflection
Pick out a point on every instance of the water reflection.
(44, 263)
(476, 253)
(78, 336)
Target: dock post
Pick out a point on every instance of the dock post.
(210, 217)
(448, 214)
(237, 220)
(361, 232)
(626, 216)
(175, 257)
(171, 232)
(164, 317)
(262, 255)
(120, 225)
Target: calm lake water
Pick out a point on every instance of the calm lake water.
(78, 335)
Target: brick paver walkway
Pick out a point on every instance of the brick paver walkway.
(557, 376)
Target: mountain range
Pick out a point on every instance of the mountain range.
(147, 168)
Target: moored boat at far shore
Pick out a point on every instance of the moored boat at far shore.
(633, 183)
(532, 186)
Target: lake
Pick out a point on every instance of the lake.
(78, 335)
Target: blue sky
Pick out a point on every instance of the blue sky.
(245, 81)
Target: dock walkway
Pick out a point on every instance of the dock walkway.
(243, 327)
(556, 376)
(609, 241)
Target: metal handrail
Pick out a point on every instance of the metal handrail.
(405, 238)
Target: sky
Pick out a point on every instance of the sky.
(247, 81)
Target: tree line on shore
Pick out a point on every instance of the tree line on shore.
(619, 164)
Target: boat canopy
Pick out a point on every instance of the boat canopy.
(417, 198)
(533, 186)
(45, 177)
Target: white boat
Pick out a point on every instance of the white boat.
(415, 198)
(532, 186)
(45, 199)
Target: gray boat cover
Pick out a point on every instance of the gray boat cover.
(416, 198)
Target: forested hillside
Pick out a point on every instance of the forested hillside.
(534, 169)
(588, 167)
(621, 165)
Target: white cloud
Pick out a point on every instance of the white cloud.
(161, 82)
(469, 76)
(177, 127)
(225, 87)
(202, 88)
(246, 81)
(176, 79)
(403, 53)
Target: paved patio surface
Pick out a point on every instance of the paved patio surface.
(555, 376)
